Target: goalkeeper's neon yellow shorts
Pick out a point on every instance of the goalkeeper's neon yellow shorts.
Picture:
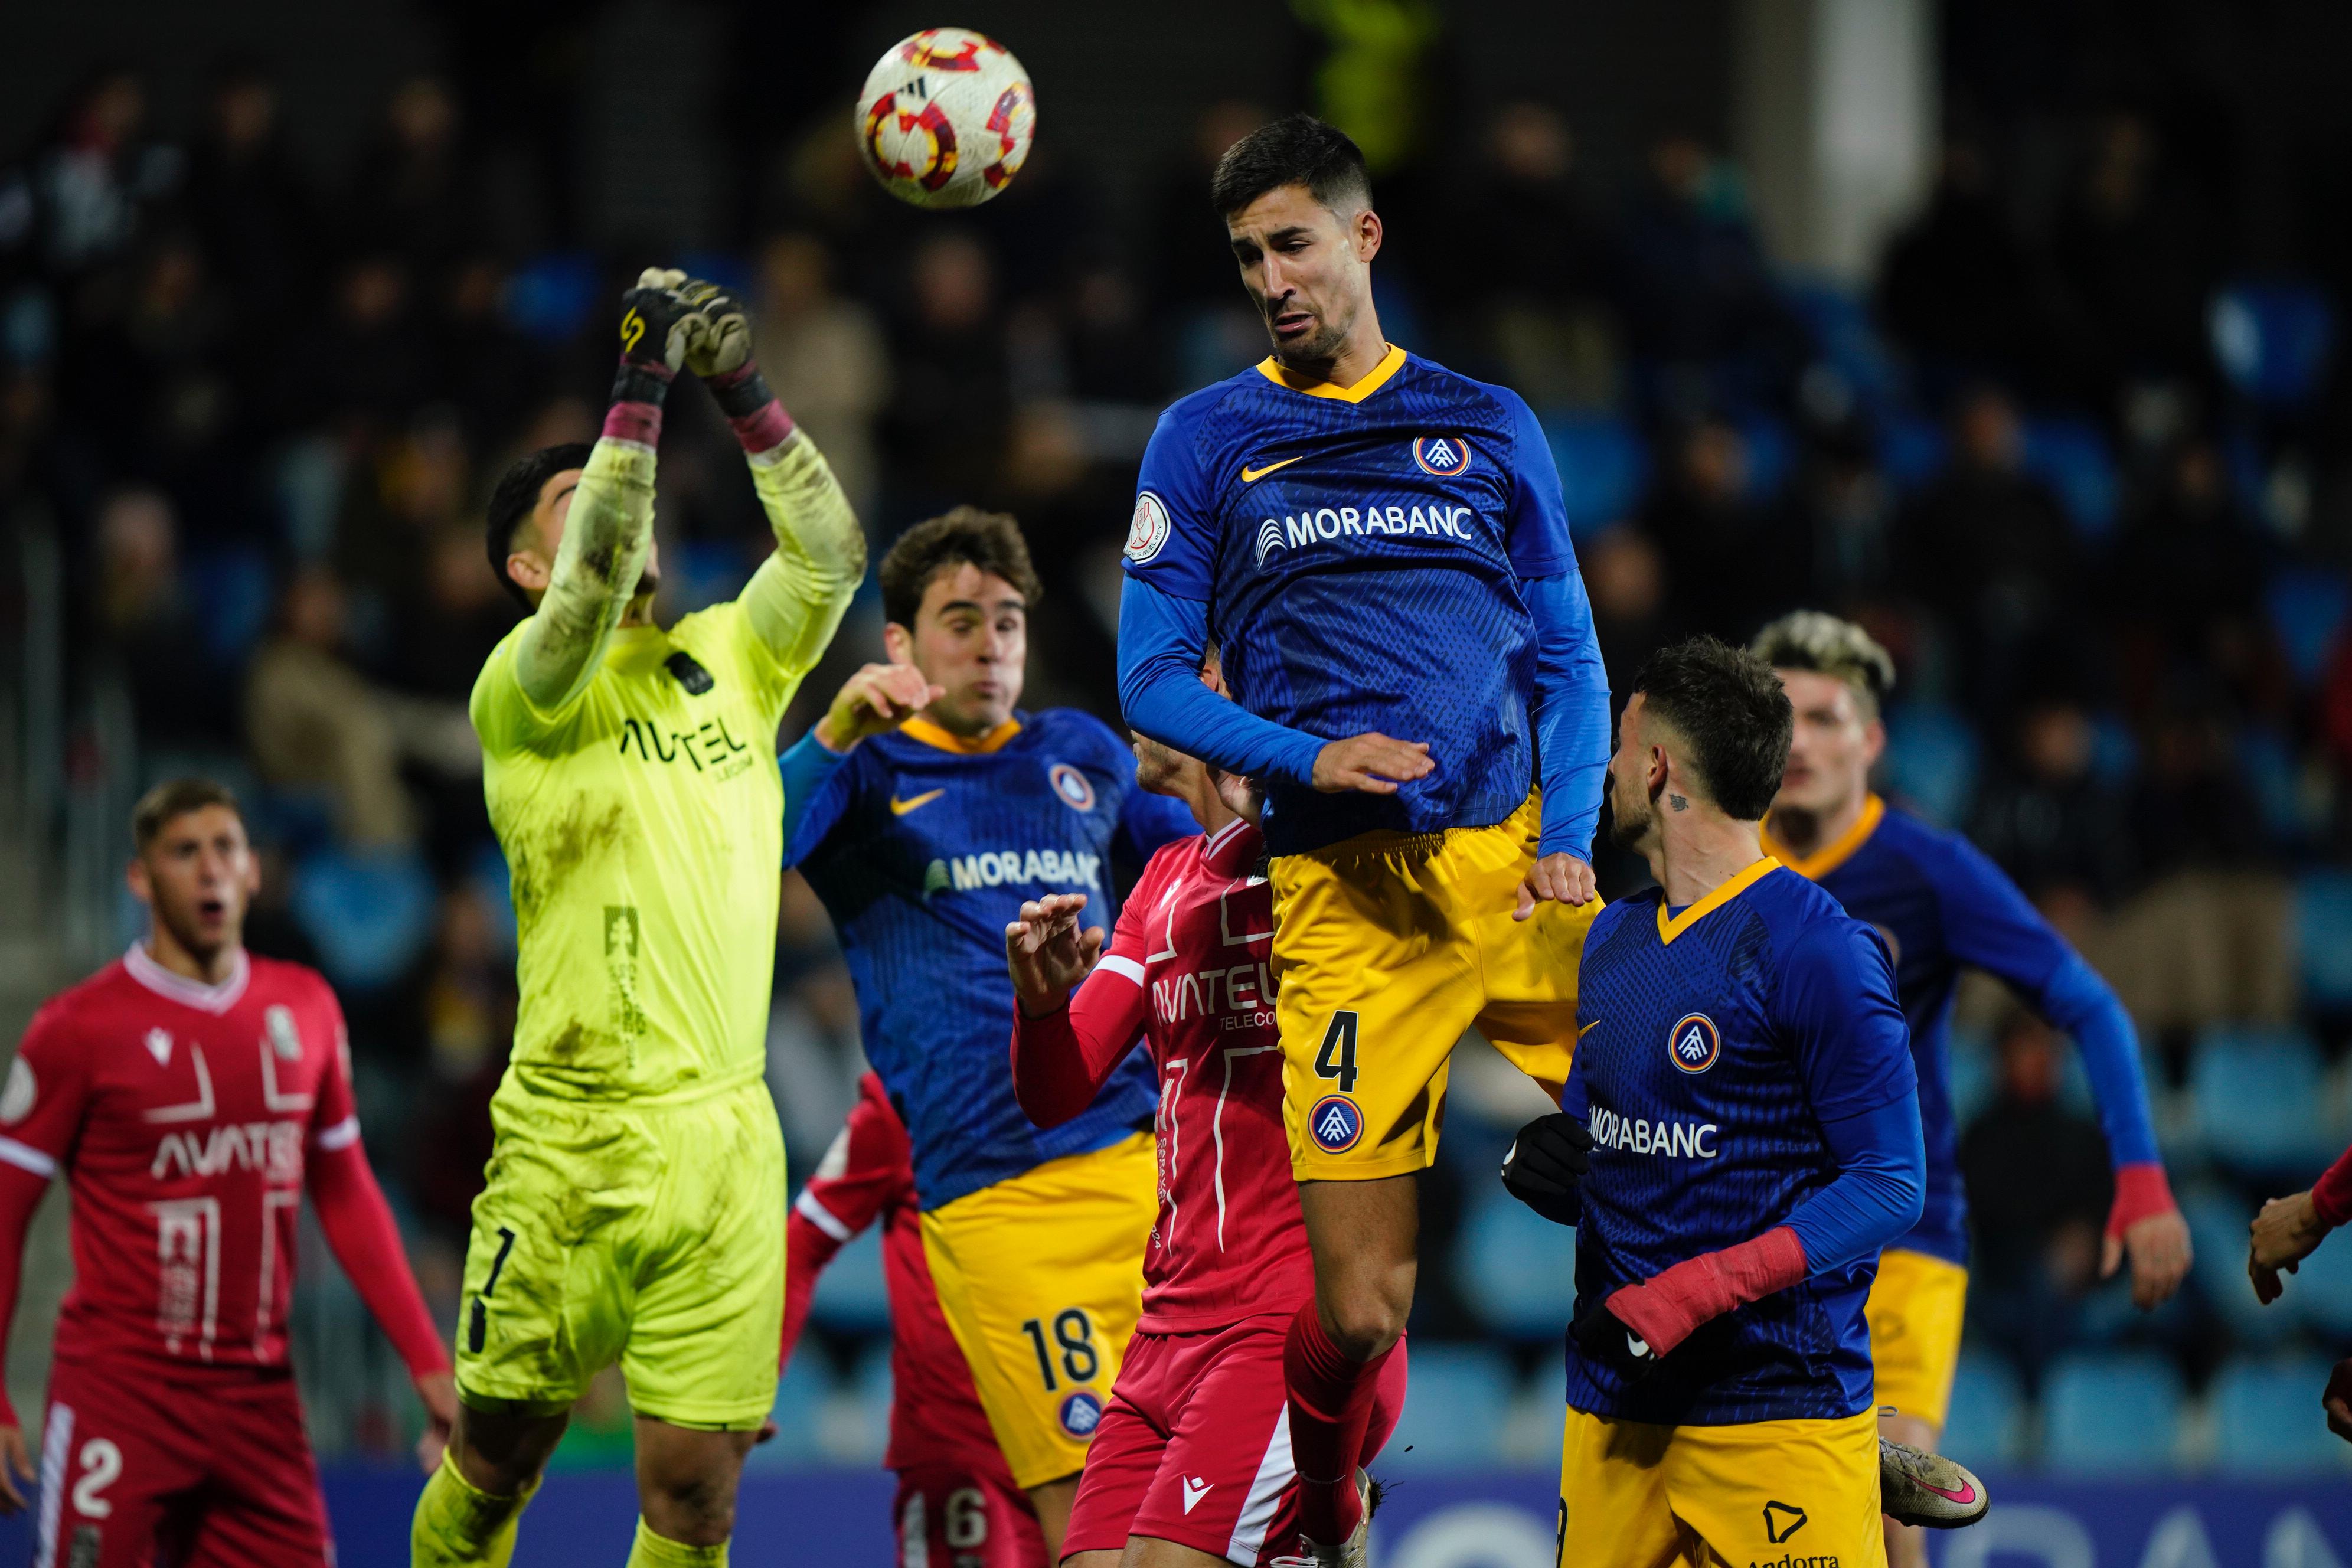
(649, 1235)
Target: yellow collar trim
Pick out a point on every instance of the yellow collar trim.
(1374, 379)
(1724, 892)
(1830, 857)
(930, 734)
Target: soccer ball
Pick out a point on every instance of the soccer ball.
(946, 118)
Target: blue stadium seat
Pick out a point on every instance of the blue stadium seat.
(2261, 1102)
(1845, 337)
(2306, 610)
(1986, 1424)
(232, 590)
(1912, 450)
(2110, 1412)
(852, 1297)
(2267, 1421)
(489, 877)
(2217, 1220)
(2323, 927)
(799, 1413)
(1771, 456)
(708, 573)
(1972, 1072)
(1931, 761)
(1457, 1401)
(2319, 1292)
(369, 915)
(1603, 469)
(2274, 340)
(550, 295)
(1516, 1268)
(2071, 456)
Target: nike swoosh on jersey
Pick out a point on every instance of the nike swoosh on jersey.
(1588, 1029)
(1251, 476)
(901, 807)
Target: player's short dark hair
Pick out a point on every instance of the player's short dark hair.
(1728, 705)
(1813, 640)
(989, 540)
(1298, 150)
(515, 495)
(175, 798)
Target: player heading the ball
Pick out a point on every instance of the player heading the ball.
(1379, 547)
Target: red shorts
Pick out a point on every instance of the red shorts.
(965, 1520)
(1195, 1447)
(212, 1472)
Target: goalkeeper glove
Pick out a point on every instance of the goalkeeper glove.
(1603, 1336)
(658, 326)
(1546, 1163)
(721, 356)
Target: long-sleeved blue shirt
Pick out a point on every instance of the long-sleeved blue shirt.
(1743, 1064)
(1391, 556)
(1942, 907)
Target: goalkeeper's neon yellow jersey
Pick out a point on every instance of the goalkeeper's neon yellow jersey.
(643, 825)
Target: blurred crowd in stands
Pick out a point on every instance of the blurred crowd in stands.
(2086, 479)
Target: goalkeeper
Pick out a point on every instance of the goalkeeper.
(635, 1199)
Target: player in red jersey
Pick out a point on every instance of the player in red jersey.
(191, 1093)
(1192, 1463)
(957, 1506)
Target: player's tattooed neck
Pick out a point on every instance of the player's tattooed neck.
(1678, 803)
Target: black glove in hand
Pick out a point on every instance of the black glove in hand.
(1547, 1162)
(1603, 1336)
(658, 327)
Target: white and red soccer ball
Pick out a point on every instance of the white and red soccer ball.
(945, 118)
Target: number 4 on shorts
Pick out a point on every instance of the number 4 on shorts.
(1337, 1058)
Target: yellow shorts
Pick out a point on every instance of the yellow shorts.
(1388, 946)
(1915, 1311)
(1041, 1280)
(1802, 1493)
(652, 1236)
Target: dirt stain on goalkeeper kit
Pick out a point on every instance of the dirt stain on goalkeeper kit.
(545, 858)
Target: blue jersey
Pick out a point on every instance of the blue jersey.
(1363, 554)
(1714, 1045)
(923, 848)
(1942, 906)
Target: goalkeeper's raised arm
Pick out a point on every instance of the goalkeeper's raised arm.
(797, 597)
(585, 562)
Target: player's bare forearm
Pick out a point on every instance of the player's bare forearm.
(605, 541)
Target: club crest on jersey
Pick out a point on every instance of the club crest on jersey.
(1081, 1413)
(1336, 1123)
(1445, 456)
(1072, 786)
(16, 1099)
(1148, 530)
(1695, 1042)
(284, 1037)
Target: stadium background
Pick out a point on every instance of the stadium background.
(2011, 330)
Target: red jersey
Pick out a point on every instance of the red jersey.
(183, 1115)
(1187, 967)
(936, 1418)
